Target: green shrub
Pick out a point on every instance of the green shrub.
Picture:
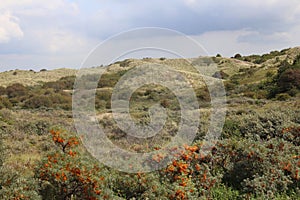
(16, 90)
(289, 79)
(13, 185)
(231, 128)
(38, 102)
(237, 56)
(261, 168)
(65, 83)
(224, 193)
(110, 80)
(50, 100)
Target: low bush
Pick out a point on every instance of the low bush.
(12, 184)
(60, 100)
(262, 169)
(67, 173)
(16, 90)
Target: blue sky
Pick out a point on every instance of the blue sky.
(60, 33)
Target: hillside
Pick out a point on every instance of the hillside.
(258, 65)
(30, 78)
(256, 156)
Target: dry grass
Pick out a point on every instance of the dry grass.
(30, 78)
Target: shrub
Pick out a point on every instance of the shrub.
(231, 128)
(38, 102)
(65, 83)
(5, 103)
(110, 80)
(191, 175)
(222, 192)
(16, 90)
(264, 168)
(12, 185)
(237, 56)
(289, 79)
(50, 100)
(67, 173)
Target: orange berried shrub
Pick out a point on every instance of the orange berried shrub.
(244, 168)
(67, 173)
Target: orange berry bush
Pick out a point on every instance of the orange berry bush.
(67, 173)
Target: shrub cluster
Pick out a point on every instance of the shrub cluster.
(287, 80)
(244, 168)
(49, 95)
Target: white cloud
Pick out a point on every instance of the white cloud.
(247, 42)
(37, 9)
(9, 28)
(241, 9)
(62, 32)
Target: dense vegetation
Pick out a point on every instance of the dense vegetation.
(257, 156)
(282, 84)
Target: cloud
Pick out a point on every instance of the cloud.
(247, 42)
(62, 32)
(47, 26)
(263, 16)
(9, 28)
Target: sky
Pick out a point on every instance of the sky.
(37, 34)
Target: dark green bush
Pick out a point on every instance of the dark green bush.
(237, 56)
(65, 83)
(16, 90)
(289, 79)
(110, 80)
(50, 100)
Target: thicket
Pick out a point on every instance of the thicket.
(287, 80)
(280, 86)
(49, 95)
(232, 169)
(258, 157)
(259, 59)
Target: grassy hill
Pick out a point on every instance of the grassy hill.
(29, 78)
(256, 157)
